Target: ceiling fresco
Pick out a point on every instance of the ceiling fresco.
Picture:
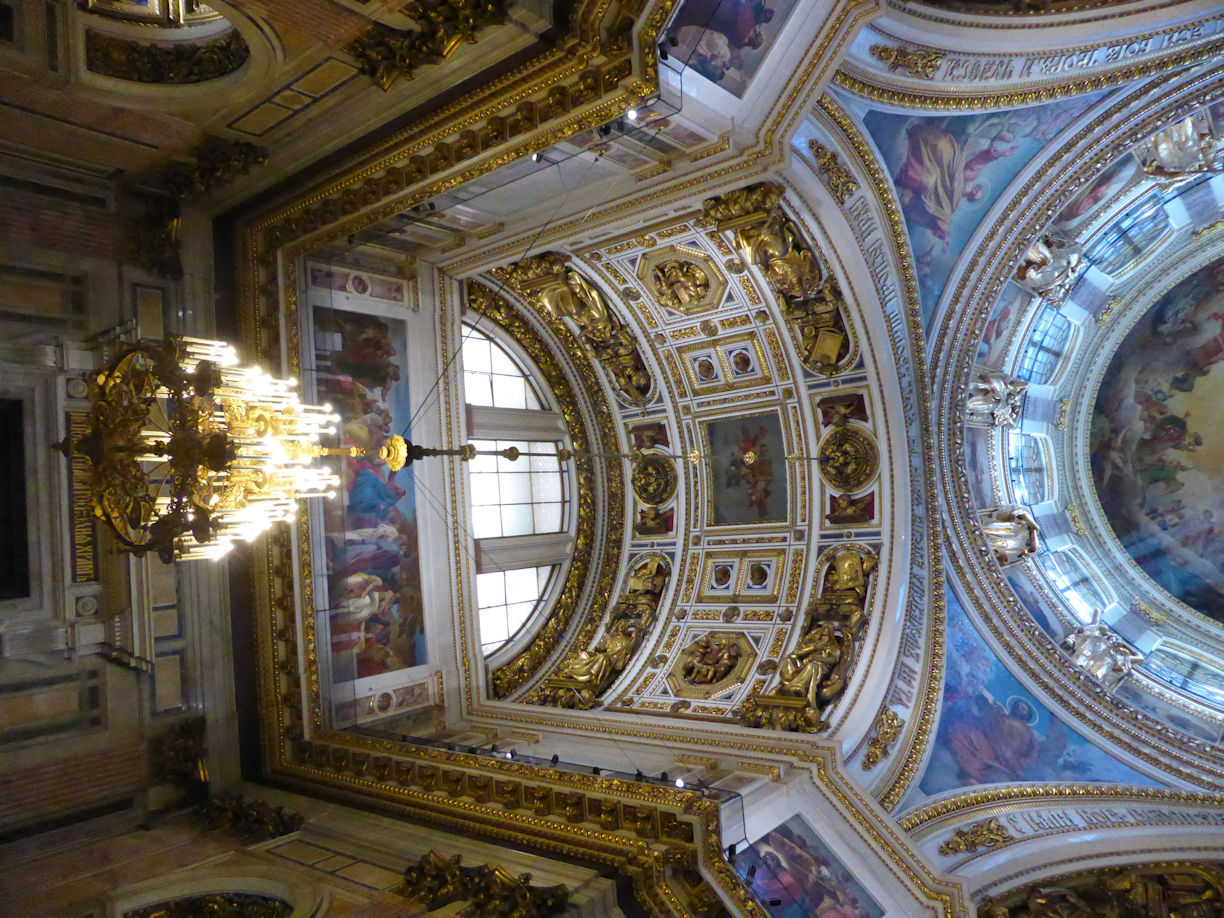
(726, 41)
(993, 730)
(948, 171)
(1156, 449)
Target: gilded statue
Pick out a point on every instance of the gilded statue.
(995, 399)
(813, 675)
(767, 238)
(560, 292)
(594, 668)
(1011, 532)
(679, 283)
(1183, 149)
(582, 678)
(743, 202)
(1101, 652)
(806, 671)
(1049, 267)
(710, 661)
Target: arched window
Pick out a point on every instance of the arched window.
(1131, 238)
(520, 509)
(1027, 466)
(1045, 347)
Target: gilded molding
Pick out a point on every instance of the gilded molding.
(1169, 888)
(933, 815)
(933, 653)
(860, 81)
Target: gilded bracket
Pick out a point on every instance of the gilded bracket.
(888, 727)
(986, 833)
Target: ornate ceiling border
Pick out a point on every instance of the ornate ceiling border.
(942, 814)
(915, 737)
(928, 92)
(1029, 649)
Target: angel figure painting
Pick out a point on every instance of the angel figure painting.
(749, 470)
(1157, 454)
(797, 875)
(992, 729)
(949, 170)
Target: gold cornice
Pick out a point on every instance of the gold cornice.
(1033, 19)
(860, 81)
(1111, 719)
(935, 816)
(932, 675)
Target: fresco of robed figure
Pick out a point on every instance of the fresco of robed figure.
(798, 875)
(949, 170)
(375, 611)
(1156, 448)
(726, 40)
(992, 730)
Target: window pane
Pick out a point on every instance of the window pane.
(548, 517)
(508, 392)
(521, 585)
(518, 613)
(493, 376)
(485, 490)
(490, 589)
(515, 488)
(476, 389)
(486, 523)
(501, 363)
(493, 625)
(546, 486)
(476, 352)
(516, 519)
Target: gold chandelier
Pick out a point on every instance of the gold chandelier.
(191, 453)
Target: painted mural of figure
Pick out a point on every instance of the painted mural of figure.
(1200, 359)
(989, 739)
(931, 181)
